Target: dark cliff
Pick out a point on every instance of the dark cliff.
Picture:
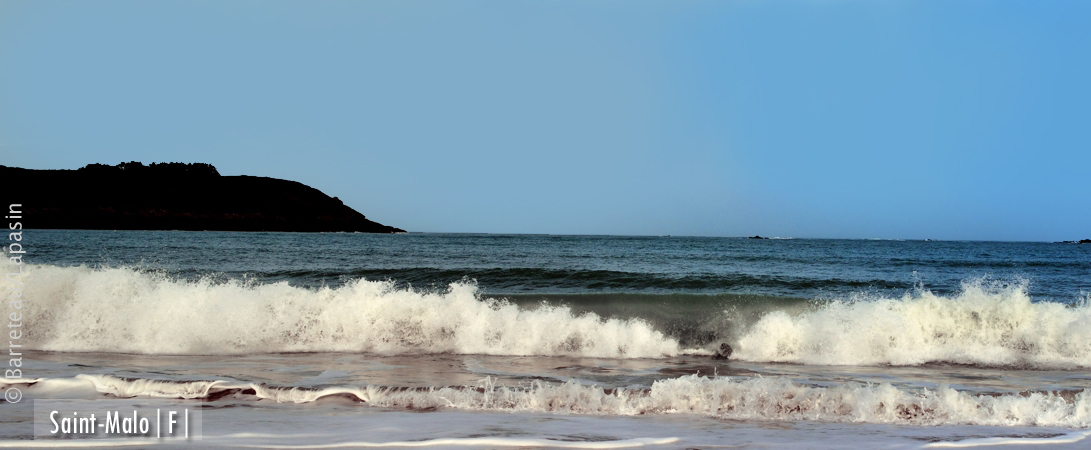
(175, 196)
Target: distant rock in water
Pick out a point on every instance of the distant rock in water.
(724, 352)
(175, 196)
(758, 237)
(1085, 241)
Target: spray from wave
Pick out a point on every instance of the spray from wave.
(79, 309)
(987, 323)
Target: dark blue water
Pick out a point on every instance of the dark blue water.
(539, 264)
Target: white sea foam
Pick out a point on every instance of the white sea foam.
(985, 324)
(497, 442)
(80, 309)
(1068, 438)
(776, 398)
(140, 387)
(489, 442)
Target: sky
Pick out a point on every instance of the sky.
(945, 119)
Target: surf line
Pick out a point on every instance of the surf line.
(15, 253)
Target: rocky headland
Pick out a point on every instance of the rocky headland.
(175, 196)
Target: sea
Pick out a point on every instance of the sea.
(345, 340)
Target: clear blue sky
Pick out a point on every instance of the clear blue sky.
(937, 119)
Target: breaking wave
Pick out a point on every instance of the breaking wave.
(987, 323)
(79, 309)
(124, 310)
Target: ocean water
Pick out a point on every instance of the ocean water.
(295, 340)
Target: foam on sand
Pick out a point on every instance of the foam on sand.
(774, 398)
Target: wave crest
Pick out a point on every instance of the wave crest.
(79, 309)
(988, 324)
